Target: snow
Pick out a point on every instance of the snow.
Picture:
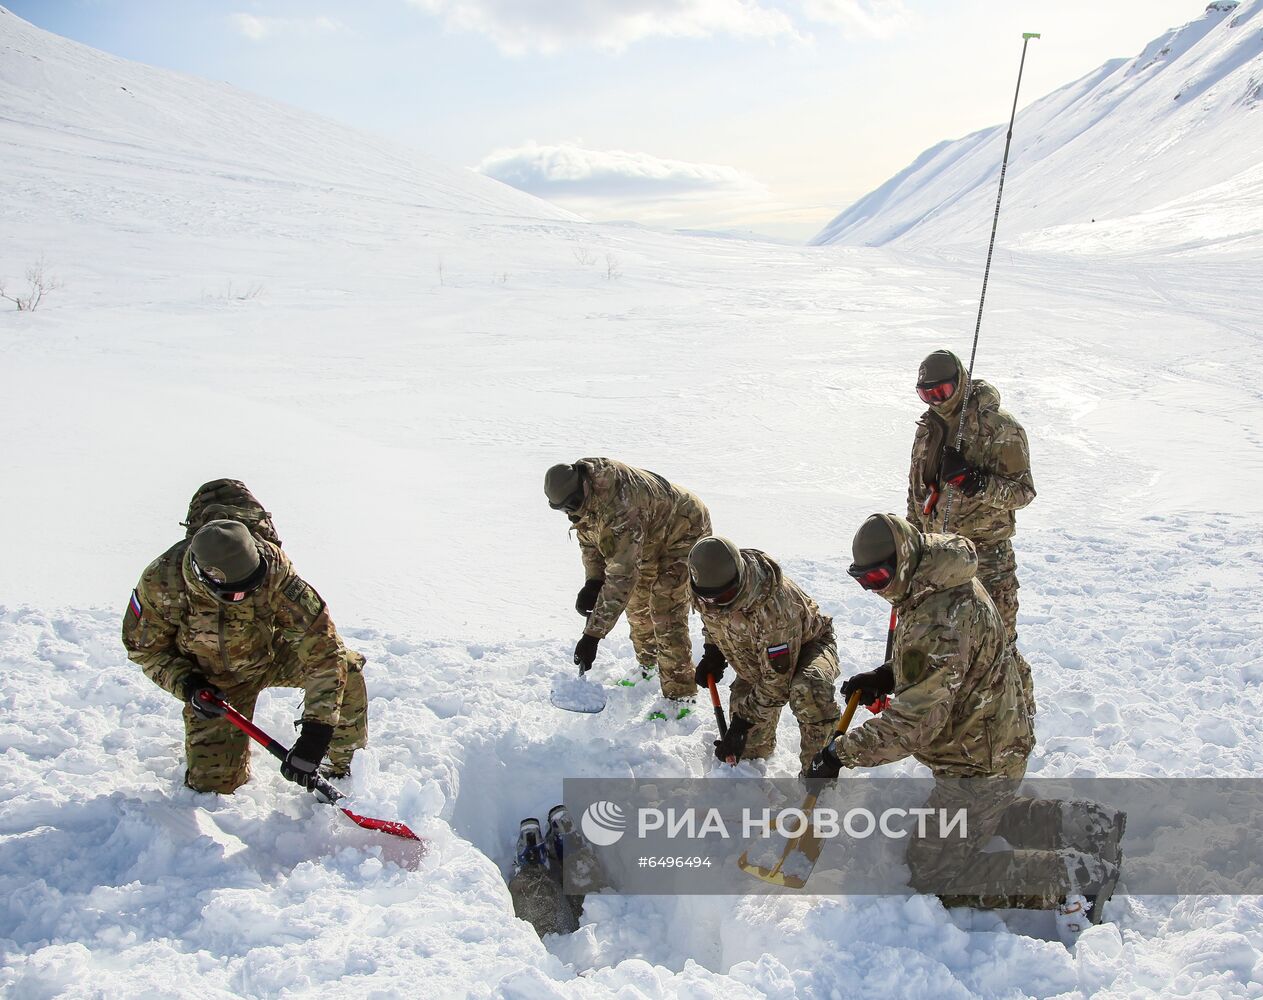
(398, 421)
(1158, 152)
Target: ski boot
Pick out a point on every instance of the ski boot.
(531, 848)
(582, 869)
(535, 887)
(1073, 918)
(671, 708)
(644, 671)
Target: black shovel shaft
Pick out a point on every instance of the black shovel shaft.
(719, 708)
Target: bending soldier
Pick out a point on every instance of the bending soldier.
(635, 531)
(780, 646)
(224, 611)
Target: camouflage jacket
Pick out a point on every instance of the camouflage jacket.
(762, 632)
(629, 518)
(958, 705)
(994, 442)
(174, 627)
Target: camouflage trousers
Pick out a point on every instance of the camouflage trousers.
(811, 699)
(217, 753)
(1037, 865)
(997, 572)
(658, 606)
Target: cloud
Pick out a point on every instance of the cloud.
(571, 171)
(519, 26)
(259, 28)
(878, 18)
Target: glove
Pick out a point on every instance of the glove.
(874, 687)
(728, 748)
(299, 765)
(585, 652)
(969, 479)
(824, 767)
(191, 690)
(586, 600)
(711, 664)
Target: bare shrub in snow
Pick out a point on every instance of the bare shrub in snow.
(584, 256)
(612, 269)
(39, 282)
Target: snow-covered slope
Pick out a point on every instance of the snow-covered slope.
(1157, 152)
(397, 419)
(155, 151)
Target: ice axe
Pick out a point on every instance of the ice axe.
(321, 788)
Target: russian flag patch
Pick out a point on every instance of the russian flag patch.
(134, 605)
(780, 650)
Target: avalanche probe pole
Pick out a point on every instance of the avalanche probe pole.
(321, 788)
(1004, 166)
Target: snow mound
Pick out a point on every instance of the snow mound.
(1156, 153)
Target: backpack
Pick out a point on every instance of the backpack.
(229, 499)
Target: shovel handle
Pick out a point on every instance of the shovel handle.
(320, 787)
(719, 708)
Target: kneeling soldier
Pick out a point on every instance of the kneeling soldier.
(225, 612)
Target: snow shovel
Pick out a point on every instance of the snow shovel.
(796, 861)
(577, 694)
(323, 791)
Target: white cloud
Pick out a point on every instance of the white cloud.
(878, 18)
(519, 26)
(259, 28)
(572, 171)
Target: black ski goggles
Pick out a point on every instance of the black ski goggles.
(716, 596)
(875, 577)
(572, 503)
(936, 392)
(231, 593)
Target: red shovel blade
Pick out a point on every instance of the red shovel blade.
(394, 828)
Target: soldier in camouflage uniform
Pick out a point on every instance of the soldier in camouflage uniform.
(959, 709)
(224, 612)
(780, 646)
(990, 479)
(635, 530)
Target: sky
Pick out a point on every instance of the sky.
(768, 116)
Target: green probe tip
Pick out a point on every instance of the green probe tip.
(1030, 34)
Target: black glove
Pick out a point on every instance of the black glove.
(873, 685)
(734, 742)
(299, 765)
(586, 600)
(969, 479)
(711, 664)
(191, 690)
(824, 767)
(585, 652)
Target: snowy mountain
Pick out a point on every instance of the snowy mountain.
(390, 353)
(1158, 151)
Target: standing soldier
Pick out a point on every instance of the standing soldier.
(635, 530)
(958, 708)
(780, 646)
(224, 611)
(990, 478)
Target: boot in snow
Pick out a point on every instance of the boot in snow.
(536, 888)
(1072, 918)
(671, 708)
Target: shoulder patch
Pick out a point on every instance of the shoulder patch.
(134, 605)
(299, 592)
